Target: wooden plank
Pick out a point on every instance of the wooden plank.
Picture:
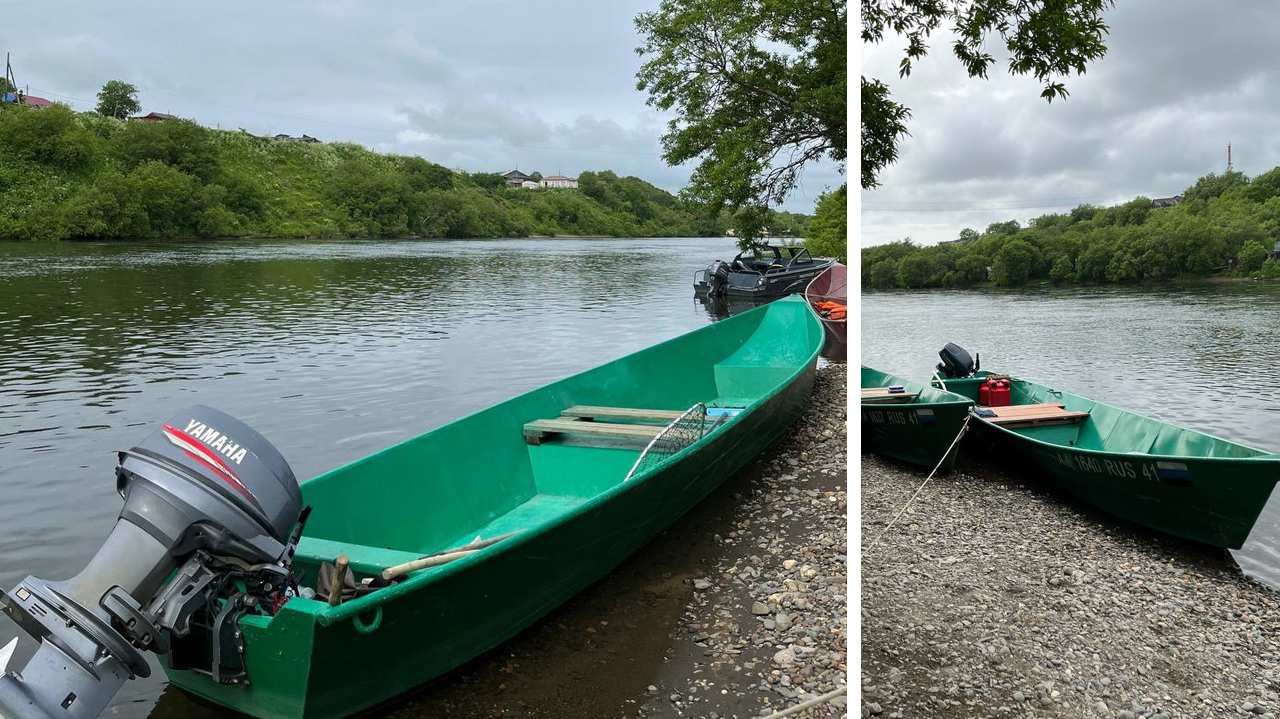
(882, 395)
(1054, 416)
(1015, 409)
(891, 399)
(878, 391)
(638, 415)
(535, 432)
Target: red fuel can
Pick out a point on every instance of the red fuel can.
(1000, 393)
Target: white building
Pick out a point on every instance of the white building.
(529, 185)
(560, 181)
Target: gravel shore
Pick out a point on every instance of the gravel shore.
(772, 611)
(994, 598)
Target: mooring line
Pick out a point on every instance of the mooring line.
(963, 428)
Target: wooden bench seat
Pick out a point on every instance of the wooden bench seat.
(666, 416)
(537, 431)
(1032, 415)
(882, 395)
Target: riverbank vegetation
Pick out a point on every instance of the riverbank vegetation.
(69, 175)
(1225, 225)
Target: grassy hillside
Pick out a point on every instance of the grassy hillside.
(68, 175)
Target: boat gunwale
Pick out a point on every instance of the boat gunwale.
(915, 405)
(327, 615)
(1266, 457)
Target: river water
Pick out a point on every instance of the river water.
(1204, 356)
(330, 349)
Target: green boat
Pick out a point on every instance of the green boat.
(558, 465)
(1166, 477)
(918, 424)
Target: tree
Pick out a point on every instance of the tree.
(1045, 39)
(1252, 256)
(758, 91)
(1012, 265)
(884, 274)
(118, 99)
(914, 270)
(829, 230)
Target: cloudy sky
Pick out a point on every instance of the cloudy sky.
(481, 85)
(1180, 81)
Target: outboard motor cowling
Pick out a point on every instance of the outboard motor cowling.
(211, 518)
(718, 277)
(956, 362)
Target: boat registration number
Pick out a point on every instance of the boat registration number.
(1175, 473)
(920, 417)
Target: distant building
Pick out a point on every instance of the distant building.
(1166, 201)
(21, 99)
(154, 117)
(515, 178)
(289, 138)
(560, 181)
(530, 185)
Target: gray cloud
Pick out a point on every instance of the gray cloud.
(483, 85)
(1180, 81)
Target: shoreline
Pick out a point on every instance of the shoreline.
(992, 597)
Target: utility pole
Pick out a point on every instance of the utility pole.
(1228, 157)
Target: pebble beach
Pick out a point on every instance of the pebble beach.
(992, 597)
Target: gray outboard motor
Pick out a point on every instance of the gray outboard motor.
(211, 519)
(956, 362)
(718, 277)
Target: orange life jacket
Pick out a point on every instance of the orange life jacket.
(832, 310)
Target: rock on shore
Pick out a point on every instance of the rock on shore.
(993, 598)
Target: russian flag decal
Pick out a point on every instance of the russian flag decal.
(925, 416)
(1174, 473)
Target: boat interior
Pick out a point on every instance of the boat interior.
(1061, 418)
(773, 259)
(537, 457)
(881, 388)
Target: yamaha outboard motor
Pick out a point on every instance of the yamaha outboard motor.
(718, 277)
(211, 518)
(956, 362)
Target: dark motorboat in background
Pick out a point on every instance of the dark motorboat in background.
(762, 273)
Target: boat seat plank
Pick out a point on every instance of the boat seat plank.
(882, 395)
(1033, 415)
(537, 431)
(1016, 409)
(625, 413)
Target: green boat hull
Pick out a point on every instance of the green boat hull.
(920, 432)
(479, 476)
(1166, 477)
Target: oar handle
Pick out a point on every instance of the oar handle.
(339, 578)
(436, 560)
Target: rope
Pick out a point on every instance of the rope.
(806, 704)
(963, 428)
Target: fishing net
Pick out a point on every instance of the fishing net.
(680, 434)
